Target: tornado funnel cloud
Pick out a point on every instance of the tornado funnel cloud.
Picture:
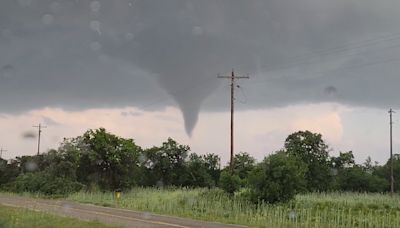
(189, 102)
(190, 115)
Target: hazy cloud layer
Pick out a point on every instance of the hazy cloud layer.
(79, 54)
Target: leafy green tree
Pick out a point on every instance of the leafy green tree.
(203, 170)
(69, 159)
(243, 164)
(31, 163)
(105, 159)
(229, 182)
(384, 172)
(344, 160)
(8, 171)
(312, 150)
(368, 164)
(358, 179)
(47, 174)
(198, 174)
(213, 166)
(277, 179)
(166, 165)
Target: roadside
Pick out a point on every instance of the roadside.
(11, 217)
(112, 216)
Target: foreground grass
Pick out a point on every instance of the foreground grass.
(17, 217)
(310, 210)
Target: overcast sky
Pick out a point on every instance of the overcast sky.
(146, 69)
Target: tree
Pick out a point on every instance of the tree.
(384, 172)
(229, 182)
(277, 179)
(47, 173)
(8, 171)
(166, 165)
(369, 166)
(345, 160)
(213, 166)
(312, 150)
(197, 172)
(106, 160)
(243, 164)
(358, 179)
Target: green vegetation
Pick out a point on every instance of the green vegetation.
(307, 210)
(312, 150)
(159, 179)
(277, 179)
(229, 182)
(99, 160)
(16, 217)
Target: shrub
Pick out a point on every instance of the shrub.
(229, 182)
(45, 184)
(277, 179)
(358, 180)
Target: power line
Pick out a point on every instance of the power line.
(232, 78)
(346, 48)
(386, 60)
(39, 127)
(391, 153)
(304, 59)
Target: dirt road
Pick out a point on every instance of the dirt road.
(114, 216)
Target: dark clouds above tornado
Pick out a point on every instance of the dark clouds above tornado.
(80, 54)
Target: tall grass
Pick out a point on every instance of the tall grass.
(19, 218)
(309, 210)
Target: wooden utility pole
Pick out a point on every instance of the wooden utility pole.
(1, 152)
(39, 127)
(391, 154)
(232, 78)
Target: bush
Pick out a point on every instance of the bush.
(45, 184)
(277, 179)
(356, 179)
(229, 182)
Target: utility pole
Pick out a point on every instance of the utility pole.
(1, 152)
(232, 78)
(39, 127)
(391, 154)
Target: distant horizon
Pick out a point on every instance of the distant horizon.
(147, 129)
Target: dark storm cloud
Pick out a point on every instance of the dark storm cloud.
(79, 54)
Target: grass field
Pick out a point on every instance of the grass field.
(21, 218)
(309, 210)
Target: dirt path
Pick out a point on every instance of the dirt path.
(114, 216)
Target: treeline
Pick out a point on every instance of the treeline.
(99, 160)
